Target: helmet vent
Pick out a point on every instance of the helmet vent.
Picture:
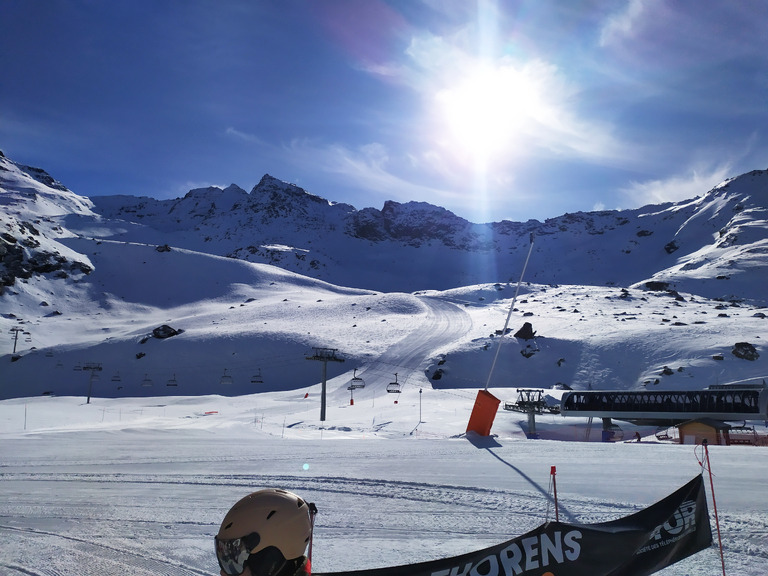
(271, 514)
(228, 526)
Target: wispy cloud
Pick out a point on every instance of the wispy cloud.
(676, 187)
(369, 167)
(244, 136)
(623, 24)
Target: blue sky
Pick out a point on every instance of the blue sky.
(492, 109)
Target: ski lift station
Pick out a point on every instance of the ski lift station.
(727, 402)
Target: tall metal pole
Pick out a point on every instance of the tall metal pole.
(553, 472)
(322, 393)
(419, 405)
(15, 331)
(324, 355)
(92, 367)
(509, 314)
(714, 504)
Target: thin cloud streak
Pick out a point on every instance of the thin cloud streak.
(675, 188)
(367, 168)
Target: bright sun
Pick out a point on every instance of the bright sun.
(489, 112)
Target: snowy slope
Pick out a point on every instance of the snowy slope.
(179, 428)
(113, 281)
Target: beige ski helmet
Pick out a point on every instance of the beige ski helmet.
(279, 518)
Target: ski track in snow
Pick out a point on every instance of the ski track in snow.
(449, 519)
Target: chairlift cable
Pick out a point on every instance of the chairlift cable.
(509, 314)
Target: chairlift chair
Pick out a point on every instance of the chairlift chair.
(172, 381)
(257, 379)
(394, 387)
(147, 382)
(226, 379)
(116, 377)
(356, 382)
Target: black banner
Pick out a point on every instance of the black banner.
(636, 545)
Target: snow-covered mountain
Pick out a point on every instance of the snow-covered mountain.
(713, 245)
(249, 283)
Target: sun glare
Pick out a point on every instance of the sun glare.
(489, 112)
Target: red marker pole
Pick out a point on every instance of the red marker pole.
(553, 473)
(714, 504)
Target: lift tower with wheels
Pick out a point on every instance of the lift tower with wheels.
(324, 355)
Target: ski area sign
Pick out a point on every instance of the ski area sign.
(636, 545)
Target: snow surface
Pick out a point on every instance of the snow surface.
(140, 485)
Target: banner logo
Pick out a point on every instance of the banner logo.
(529, 553)
(682, 522)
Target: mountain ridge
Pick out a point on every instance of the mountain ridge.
(342, 244)
(249, 282)
(710, 245)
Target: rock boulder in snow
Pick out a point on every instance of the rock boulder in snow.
(526, 332)
(745, 350)
(165, 331)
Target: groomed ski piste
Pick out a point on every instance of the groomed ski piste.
(141, 483)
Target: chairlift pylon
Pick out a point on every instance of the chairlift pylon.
(226, 379)
(394, 387)
(356, 382)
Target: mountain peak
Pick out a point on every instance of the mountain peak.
(275, 191)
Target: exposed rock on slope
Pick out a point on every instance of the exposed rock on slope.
(34, 206)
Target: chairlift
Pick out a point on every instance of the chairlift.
(116, 377)
(256, 378)
(394, 387)
(147, 382)
(226, 379)
(356, 382)
(77, 367)
(49, 354)
(172, 381)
